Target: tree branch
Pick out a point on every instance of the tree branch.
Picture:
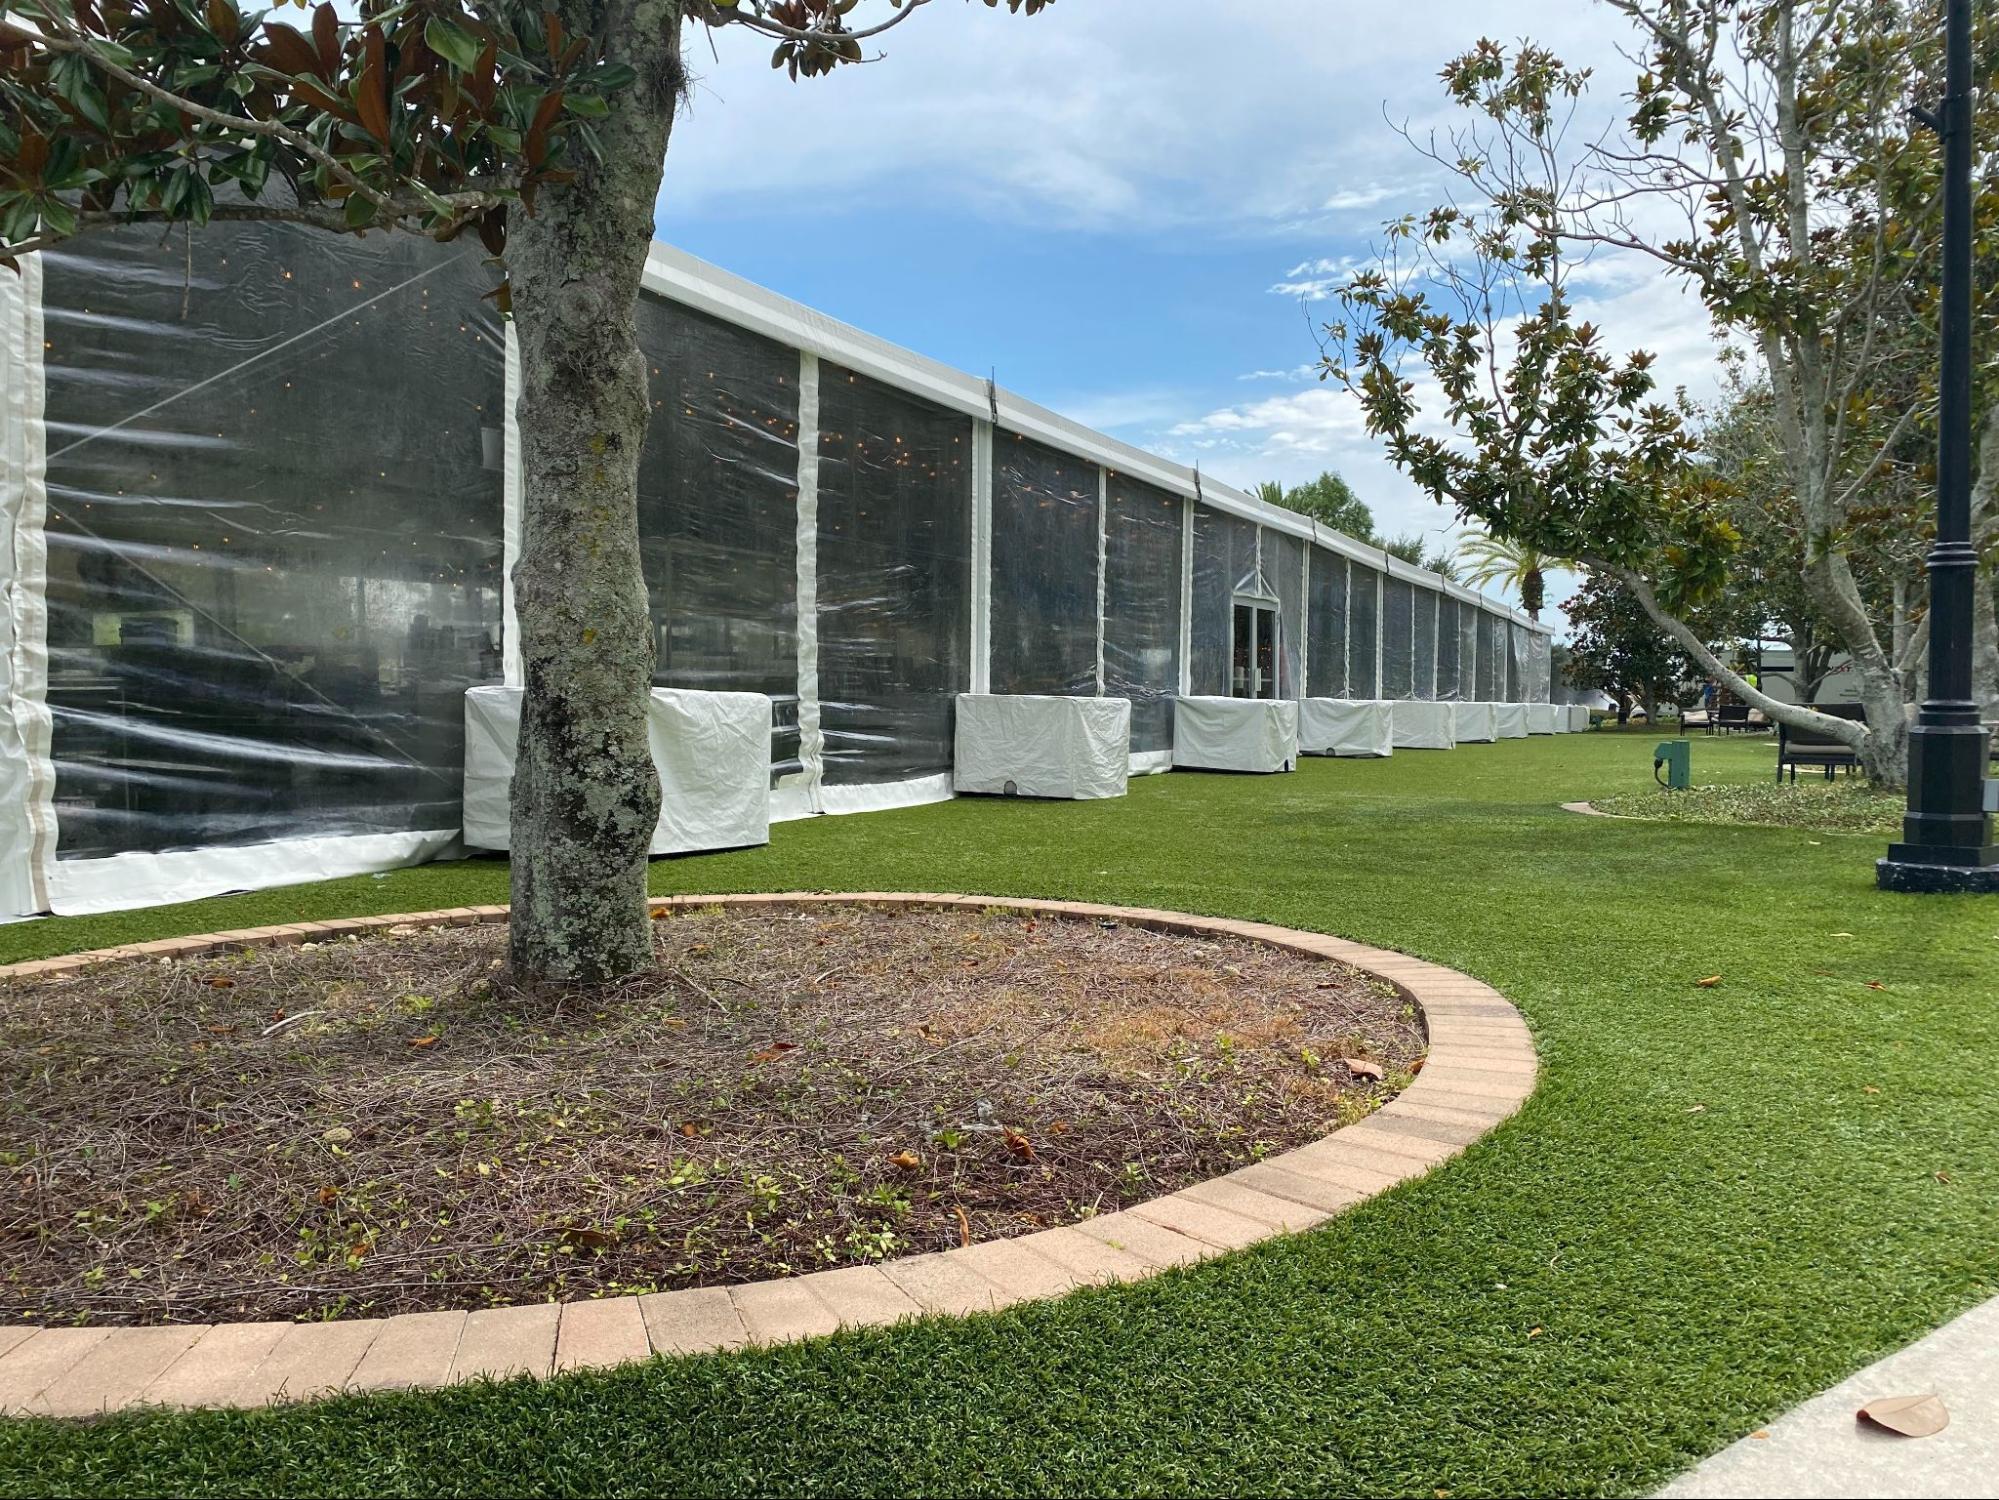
(1846, 731)
(68, 40)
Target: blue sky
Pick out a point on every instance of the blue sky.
(1119, 205)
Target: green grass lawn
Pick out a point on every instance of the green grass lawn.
(1720, 1200)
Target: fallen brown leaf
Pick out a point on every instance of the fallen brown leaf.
(1708, 983)
(774, 1051)
(423, 1043)
(964, 1224)
(1875, 984)
(590, 1239)
(1361, 1067)
(908, 1161)
(1911, 1416)
(219, 982)
(1019, 1145)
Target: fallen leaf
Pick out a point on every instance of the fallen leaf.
(964, 1224)
(590, 1239)
(1869, 1088)
(328, 1196)
(1533, 1333)
(1911, 1416)
(774, 1051)
(1761, 1434)
(422, 1043)
(1417, 1066)
(690, 1129)
(1019, 1144)
(1694, 1109)
(1875, 984)
(1708, 983)
(909, 1161)
(1360, 1067)
(221, 1030)
(1943, 1177)
(219, 982)
(337, 1135)
(1059, 1127)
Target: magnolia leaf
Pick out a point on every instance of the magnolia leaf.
(1910, 1416)
(448, 42)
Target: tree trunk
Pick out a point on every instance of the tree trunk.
(585, 795)
(1984, 534)
(1985, 649)
(1885, 755)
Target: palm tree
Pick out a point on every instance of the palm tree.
(1488, 560)
(1270, 492)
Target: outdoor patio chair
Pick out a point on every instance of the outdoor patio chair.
(1811, 747)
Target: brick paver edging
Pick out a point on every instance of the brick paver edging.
(1481, 1067)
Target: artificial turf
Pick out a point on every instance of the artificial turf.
(1719, 1200)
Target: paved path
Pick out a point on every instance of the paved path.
(1821, 1450)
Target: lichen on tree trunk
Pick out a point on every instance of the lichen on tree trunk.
(585, 795)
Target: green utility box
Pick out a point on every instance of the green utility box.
(1677, 759)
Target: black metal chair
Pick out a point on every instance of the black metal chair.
(1812, 747)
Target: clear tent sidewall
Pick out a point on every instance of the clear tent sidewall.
(260, 505)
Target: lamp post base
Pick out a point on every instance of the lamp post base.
(1979, 872)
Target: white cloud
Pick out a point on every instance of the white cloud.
(1112, 113)
(1365, 197)
(1295, 374)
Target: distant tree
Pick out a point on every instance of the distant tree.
(1409, 548)
(1513, 565)
(1619, 649)
(1330, 501)
(1443, 564)
(1766, 597)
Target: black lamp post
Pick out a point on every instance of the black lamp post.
(1947, 834)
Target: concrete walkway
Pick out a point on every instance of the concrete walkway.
(1821, 1450)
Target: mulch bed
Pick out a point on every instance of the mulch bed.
(382, 1124)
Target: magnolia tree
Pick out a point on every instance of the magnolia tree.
(541, 126)
(1766, 158)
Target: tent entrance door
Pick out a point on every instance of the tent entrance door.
(1253, 651)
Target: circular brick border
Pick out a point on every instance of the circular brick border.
(1481, 1067)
